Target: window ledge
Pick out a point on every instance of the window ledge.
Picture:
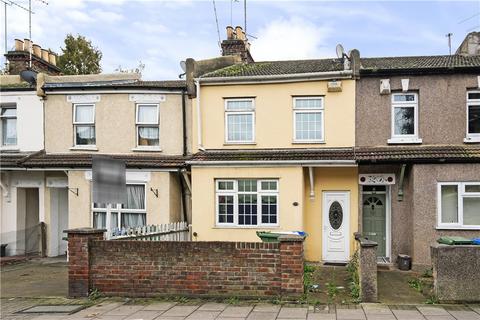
(463, 228)
(8, 148)
(240, 143)
(84, 148)
(404, 141)
(247, 227)
(147, 149)
(308, 142)
(472, 140)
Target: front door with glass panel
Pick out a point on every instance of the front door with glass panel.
(375, 217)
(336, 226)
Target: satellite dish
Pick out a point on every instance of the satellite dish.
(183, 65)
(340, 51)
(29, 76)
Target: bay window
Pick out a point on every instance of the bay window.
(8, 116)
(247, 202)
(147, 125)
(129, 215)
(459, 205)
(84, 124)
(473, 116)
(239, 121)
(404, 118)
(308, 119)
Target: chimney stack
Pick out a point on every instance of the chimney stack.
(37, 50)
(27, 45)
(18, 45)
(42, 60)
(236, 44)
(52, 58)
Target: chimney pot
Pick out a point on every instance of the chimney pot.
(27, 44)
(52, 58)
(229, 33)
(239, 33)
(37, 50)
(45, 54)
(18, 45)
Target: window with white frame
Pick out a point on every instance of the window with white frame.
(308, 119)
(404, 116)
(239, 121)
(132, 214)
(459, 205)
(247, 202)
(84, 124)
(8, 116)
(473, 115)
(147, 119)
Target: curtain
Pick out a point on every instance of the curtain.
(449, 204)
(148, 136)
(135, 197)
(147, 114)
(130, 220)
(85, 135)
(84, 113)
(9, 128)
(99, 220)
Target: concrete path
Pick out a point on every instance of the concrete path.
(220, 311)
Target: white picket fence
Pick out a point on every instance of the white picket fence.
(176, 231)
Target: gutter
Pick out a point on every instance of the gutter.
(280, 78)
(269, 162)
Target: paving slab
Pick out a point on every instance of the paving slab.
(144, 315)
(213, 306)
(350, 314)
(321, 316)
(169, 318)
(236, 312)
(50, 317)
(159, 306)
(408, 315)
(439, 318)
(475, 308)
(123, 310)
(229, 318)
(465, 315)
(255, 315)
(203, 315)
(432, 311)
(266, 307)
(378, 309)
(179, 311)
(293, 313)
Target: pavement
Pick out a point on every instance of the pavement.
(211, 310)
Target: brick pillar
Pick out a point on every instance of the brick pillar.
(79, 259)
(291, 264)
(367, 265)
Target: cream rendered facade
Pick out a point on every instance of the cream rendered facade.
(299, 207)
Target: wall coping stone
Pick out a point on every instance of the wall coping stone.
(364, 242)
(85, 230)
(291, 238)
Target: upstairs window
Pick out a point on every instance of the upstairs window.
(147, 125)
(239, 121)
(8, 116)
(473, 116)
(247, 202)
(308, 119)
(459, 205)
(405, 118)
(84, 124)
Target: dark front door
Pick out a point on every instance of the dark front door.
(374, 220)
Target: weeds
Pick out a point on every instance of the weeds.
(232, 300)
(354, 279)
(94, 294)
(416, 284)
(432, 300)
(428, 273)
(307, 277)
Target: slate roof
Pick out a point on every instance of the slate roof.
(113, 84)
(412, 64)
(275, 155)
(434, 153)
(10, 159)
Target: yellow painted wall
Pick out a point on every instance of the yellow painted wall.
(203, 202)
(114, 124)
(274, 114)
(328, 179)
(158, 209)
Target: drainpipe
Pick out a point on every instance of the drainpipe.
(199, 118)
(400, 183)
(182, 194)
(184, 120)
(312, 183)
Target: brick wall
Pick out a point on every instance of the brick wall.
(152, 268)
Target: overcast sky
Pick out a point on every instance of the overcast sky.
(162, 33)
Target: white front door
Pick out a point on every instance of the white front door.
(336, 226)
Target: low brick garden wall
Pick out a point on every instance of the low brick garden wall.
(154, 268)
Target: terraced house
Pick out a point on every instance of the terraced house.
(417, 138)
(274, 149)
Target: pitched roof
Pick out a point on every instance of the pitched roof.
(437, 153)
(113, 84)
(10, 159)
(411, 64)
(299, 155)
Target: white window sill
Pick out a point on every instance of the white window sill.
(404, 141)
(246, 227)
(84, 148)
(465, 228)
(147, 149)
(472, 140)
(240, 143)
(9, 148)
(308, 142)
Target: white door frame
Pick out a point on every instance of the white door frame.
(388, 217)
(345, 223)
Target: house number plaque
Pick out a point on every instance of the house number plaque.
(376, 179)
